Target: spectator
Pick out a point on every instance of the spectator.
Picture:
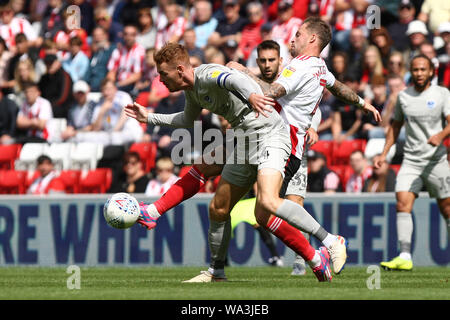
(358, 45)
(395, 84)
(134, 179)
(214, 55)
(397, 29)
(8, 118)
(231, 52)
(326, 107)
(5, 57)
(417, 33)
(161, 134)
(346, 119)
(371, 129)
(230, 28)
(383, 41)
(126, 62)
(129, 11)
(56, 86)
(102, 50)
(110, 125)
(339, 65)
(78, 63)
(396, 65)
(361, 172)
(33, 115)
(174, 29)
(87, 14)
(53, 20)
(251, 35)
(11, 26)
(48, 181)
(300, 8)
(444, 34)
(103, 19)
(354, 17)
(147, 30)
(189, 40)
(165, 178)
(80, 113)
(372, 66)
(63, 36)
(24, 73)
(287, 24)
(382, 179)
(320, 177)
(204, 23)
(149, 73)
(434, 12)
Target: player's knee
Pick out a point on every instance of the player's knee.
(262, 217)
(403, 206)
(218, 212)
(267, 204)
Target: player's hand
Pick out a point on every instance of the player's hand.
(368, 108)
(260, 104)
(378, 161)
(311, 136)
(136, 111)
(235, 65)
(435, 140)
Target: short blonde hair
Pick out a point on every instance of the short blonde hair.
(164, 163)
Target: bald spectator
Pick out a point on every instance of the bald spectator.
(204, 23)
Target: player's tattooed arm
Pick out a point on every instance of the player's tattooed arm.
(275, 91)
(344, 93)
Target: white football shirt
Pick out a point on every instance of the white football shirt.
(304, 80)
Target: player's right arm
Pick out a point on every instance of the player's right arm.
(183, 119)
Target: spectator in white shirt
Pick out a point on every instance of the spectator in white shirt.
(165, 178)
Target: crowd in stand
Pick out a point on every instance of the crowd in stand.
(82, 65)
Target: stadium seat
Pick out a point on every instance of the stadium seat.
(85, 155)
(95, 181)
(55, 127)
(12, 182)
(395, 167)
(342, 151)
(325, 147)
(147, 151)
(8, 155)
(60, 153)
(71, 180)
(28, 155)
(376, 146)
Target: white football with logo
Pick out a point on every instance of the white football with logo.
(121, 211)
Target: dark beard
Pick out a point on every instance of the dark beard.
(425, 84)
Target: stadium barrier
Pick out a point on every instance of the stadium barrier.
(62, 230)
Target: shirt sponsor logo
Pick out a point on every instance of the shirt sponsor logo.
(288, 71)
(431, 104)
(215, 74)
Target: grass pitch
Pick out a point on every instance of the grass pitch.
(245, 283)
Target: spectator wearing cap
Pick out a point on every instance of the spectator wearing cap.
(251, 35)
(230, 28)
(444, 55)
(33, 115)
(417, 33)
(174, 28)
(433, 13)
(48, 181)
(126, 62)
(78, 63)
(361, 172)
(204, 24)
(382, 179)
(397, 29)
(320, 177)
(80, 113)
(286, 24)
(231, 52)
(56, 86)
(102, 50)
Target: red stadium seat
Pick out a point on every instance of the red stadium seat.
(147, 151)
(96, 181)
(342, 151)
(395, 167)
(71, 180)
(12, 182)
(325, 147)
(8, 155)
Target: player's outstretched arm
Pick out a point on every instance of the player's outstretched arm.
(344, 93)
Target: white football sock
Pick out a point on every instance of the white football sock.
(152, 211)
(404, 231)
(329, 240)
(315, 261)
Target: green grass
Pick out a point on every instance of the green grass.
(244, 283)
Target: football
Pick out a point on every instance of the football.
(121, 210)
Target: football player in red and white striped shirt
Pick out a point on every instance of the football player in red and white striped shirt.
(126, 62)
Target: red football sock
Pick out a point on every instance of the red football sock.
(291, 237)
(183, 189)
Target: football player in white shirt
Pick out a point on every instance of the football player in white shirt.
(298, 91)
